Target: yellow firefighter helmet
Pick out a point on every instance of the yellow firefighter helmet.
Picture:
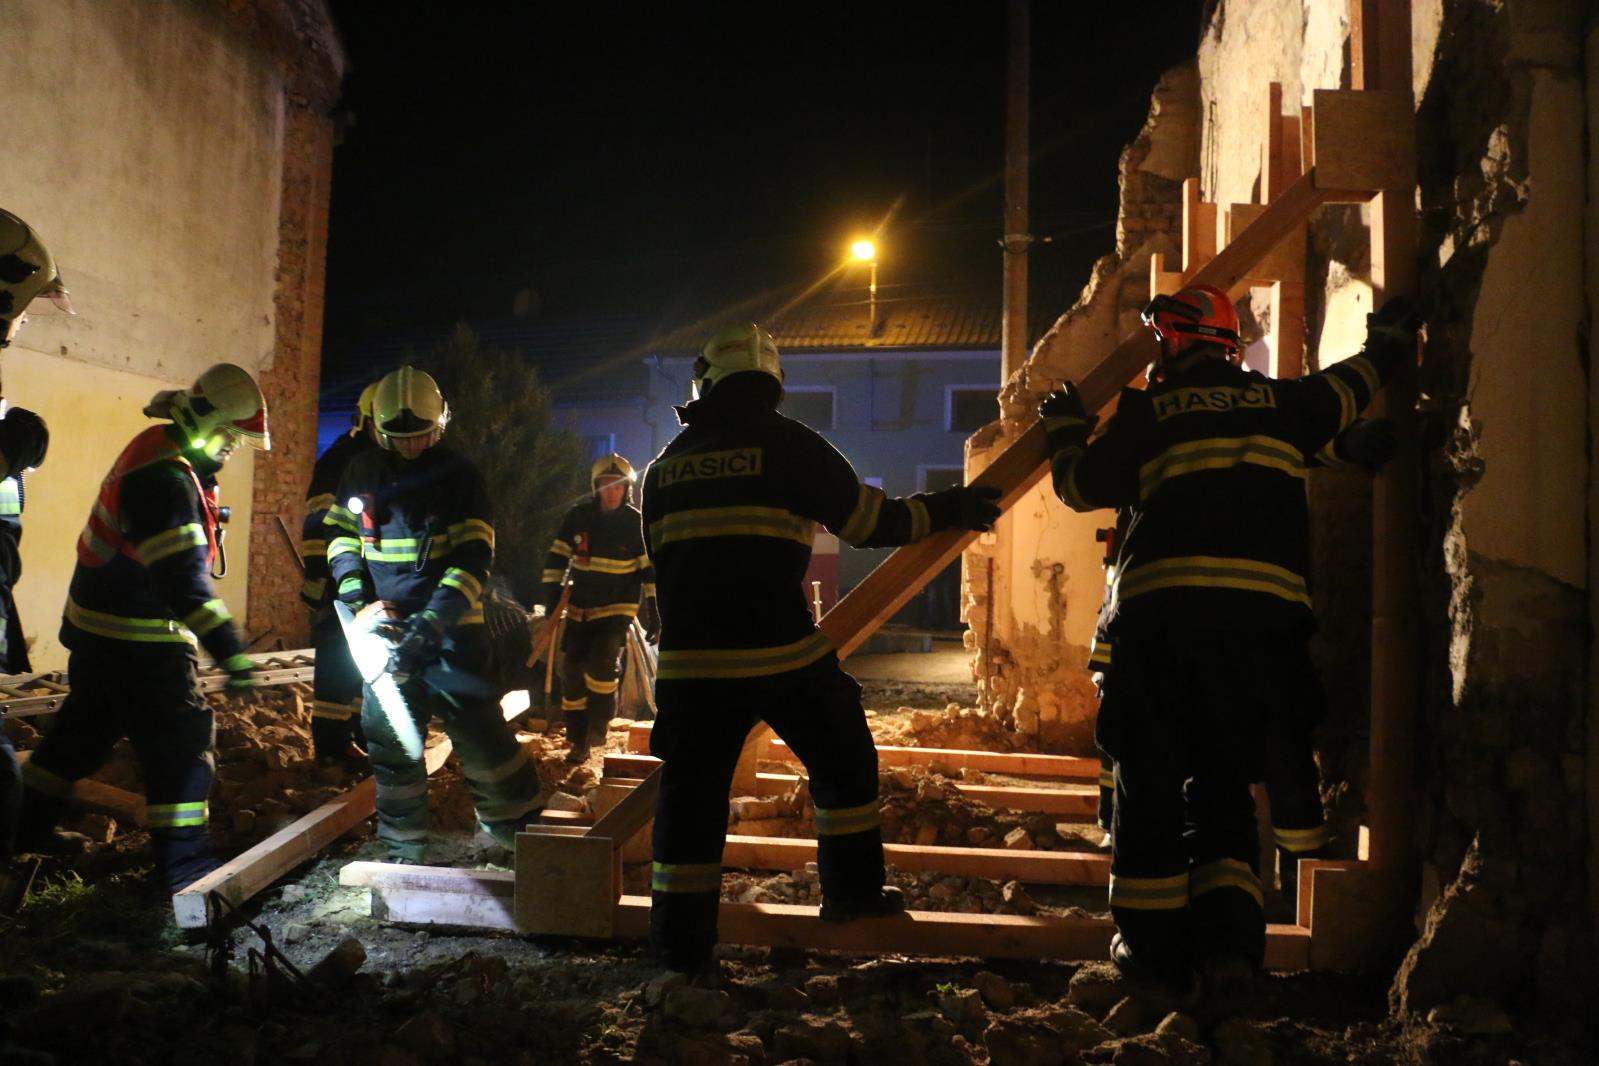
(408, 403)
(28, 276)
(608, 469)
(735, 350)
(224, 398)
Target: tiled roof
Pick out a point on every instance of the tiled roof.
(908, 323)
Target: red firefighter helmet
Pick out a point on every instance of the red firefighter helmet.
(1196, 313)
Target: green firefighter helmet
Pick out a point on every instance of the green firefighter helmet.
(28, 276)
(224, 398)
(408, 403)
(735, 350)
(608, 469)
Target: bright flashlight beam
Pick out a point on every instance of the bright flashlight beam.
(863, 250)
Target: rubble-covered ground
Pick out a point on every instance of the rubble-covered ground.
(92, 969)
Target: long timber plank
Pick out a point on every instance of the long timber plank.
(1034, 867)
(251, 871)
(1072, 801)
(443, 896)
(1021, 764)
(103, 798)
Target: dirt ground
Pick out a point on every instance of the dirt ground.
(92, 969)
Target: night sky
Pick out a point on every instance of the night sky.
(663, 162)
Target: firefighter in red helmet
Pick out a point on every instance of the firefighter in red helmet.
(1208, 608)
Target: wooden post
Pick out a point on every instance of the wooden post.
(1013, 323)
(1199, 229)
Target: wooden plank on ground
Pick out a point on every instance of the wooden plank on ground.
(436, 895)
(564, 884)
(126, 807)
(1034, 867)
(1020, 763)
(632, 814)
(248, 873)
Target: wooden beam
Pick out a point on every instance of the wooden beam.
(564, 884)
(436, 895)
(1199, 229)
(248, 873)
(126, 807)
(1163, 282)
(1020, 763)
(582, 818)
(1366, 140)
(1034, 867)
(1273, 168)
(633, 813)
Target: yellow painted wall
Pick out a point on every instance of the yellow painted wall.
(91, 421)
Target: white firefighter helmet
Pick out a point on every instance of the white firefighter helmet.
(608, 469)
(735, 350)
(224, 398)
(408, 403)
(28, 277)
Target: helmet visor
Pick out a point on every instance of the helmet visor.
(52, 300)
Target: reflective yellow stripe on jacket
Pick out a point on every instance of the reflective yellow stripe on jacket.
(1206, 571)
(1218, 453)
(118, 627)
(742, 662)
(731, 522)
(153, 549)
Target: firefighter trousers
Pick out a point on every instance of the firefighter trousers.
(1293, 783)
(336, 707)
(502, 778)
(699, 729)
(591, 657)
(1185, 719)
(149, 694)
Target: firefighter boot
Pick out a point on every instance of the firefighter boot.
(885, 903)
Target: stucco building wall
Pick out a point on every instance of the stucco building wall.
(147, 144)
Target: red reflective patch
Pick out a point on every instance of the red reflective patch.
(256, 423)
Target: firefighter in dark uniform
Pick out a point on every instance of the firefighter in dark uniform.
(336, 710)
(412, 528)
(1209, 606)
(28, 279)
(602, 541)
(141, 596)
(1291, 779)
(731, 506)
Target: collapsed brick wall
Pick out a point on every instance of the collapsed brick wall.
(1031, 674)
(294, 377)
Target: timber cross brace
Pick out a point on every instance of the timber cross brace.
(1351, 147)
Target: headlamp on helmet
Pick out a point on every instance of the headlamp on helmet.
(223, 408)
(735, 350)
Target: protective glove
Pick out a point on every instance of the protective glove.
(1370, 442)
(241, 675)
(1064, 402)
(966, 507)
(649, 617)
(1396, 320)
(418, 646)
(24, 438)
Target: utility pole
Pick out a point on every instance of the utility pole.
(1013, 324)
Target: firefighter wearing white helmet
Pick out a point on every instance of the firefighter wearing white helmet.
(601, 543)
(730, 509)
(411, 526)
(28, 279)
(336, 708)
(141, 598)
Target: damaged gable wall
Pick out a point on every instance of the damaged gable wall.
(1507, 761)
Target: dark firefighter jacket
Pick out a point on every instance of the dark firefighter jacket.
(610, 569)
(13, 645)
(1210, 466)
(317, 591)
(731, 507)
(144, 557)
(421, 535)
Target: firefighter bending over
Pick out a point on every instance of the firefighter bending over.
(412, 528)
(141, 595)
(1209, 599)
(28, 279)
(731, 508)
(602, 540)
(336, 712)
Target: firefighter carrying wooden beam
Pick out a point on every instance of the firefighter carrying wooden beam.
(602, 541)
(1210, 597)
(731, 507)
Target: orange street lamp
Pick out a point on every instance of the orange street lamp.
(865, 251)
